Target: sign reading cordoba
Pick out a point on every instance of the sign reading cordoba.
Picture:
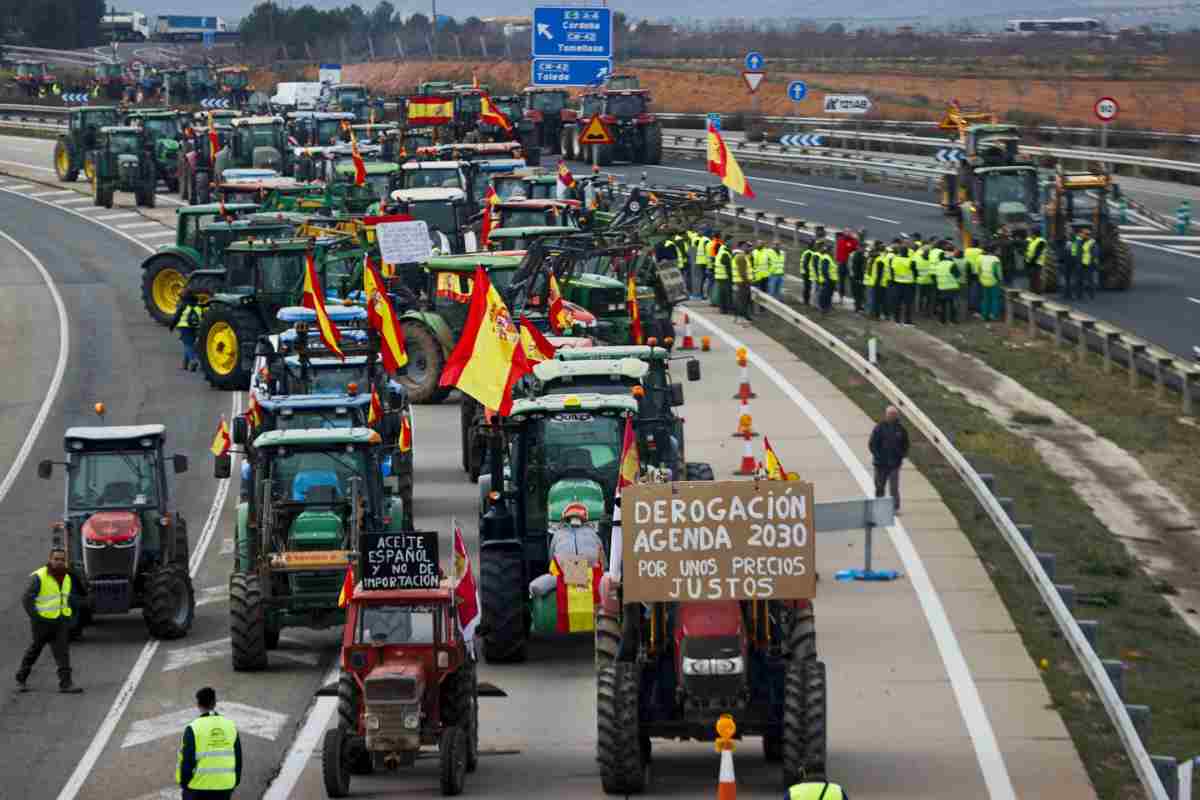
(847, 104)
(730, 540)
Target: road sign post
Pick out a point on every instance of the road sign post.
(1106, 110)
(596, 133)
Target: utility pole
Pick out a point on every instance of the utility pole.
(433, 45)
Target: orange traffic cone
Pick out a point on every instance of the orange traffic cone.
(745, 425)
(705, 344)
(749, 465)
(744, 391)
(688, 342)
(726, 781)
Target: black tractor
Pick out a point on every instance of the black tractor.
(73, 148)
(124, 159)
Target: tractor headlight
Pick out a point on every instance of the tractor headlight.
(713, 666)
(373, 722)
(412, 720)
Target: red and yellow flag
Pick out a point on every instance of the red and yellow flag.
(375, 413)
(347, 592)
(635, 318)
(560, 317)
(722, 164)
(491, 115)
(488, 358)
(774, 467)
(360, 169)
(465, 594)
(630, 462)
(214, 141)
(537, 348)
(221, 440)
(430, 110)
(490, 198)
(314, 298)
(382, 317)
(406, 431)
(254, 411)
(576, 603)
(564, 175)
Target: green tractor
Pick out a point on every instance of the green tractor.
(175, 85)
(350, 98)
(523, 237)
(124, 162)
(164, 131)
(33, 77)
(109, 78)
(319, 128)
(256, 143)
(72, 151)
(313, 494)
(261, 277)
(200, 82)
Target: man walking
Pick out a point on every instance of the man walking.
(51, 600)
(209, 766)
(889, 448)
(187, 321)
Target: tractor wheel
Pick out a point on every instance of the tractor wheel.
(170, 604)
(1050, 271)
(425, 362)
(804, 713)
(334, 769)
(452, 758)
(201, 191)
(358, 757)
(181, 555)
(566, 144)
(271, 635)
(604, 155)
(699, 471)
(460, 708)
(1119, 274)
(466, 419)
(172, 185)
(652, 149)
(62, 163)
(802, 635)
(89, 167)
(618, 740)
(226, 345)
(503, 590)
(247, 623)
(163, 280)
(608, 638)
(148, 197)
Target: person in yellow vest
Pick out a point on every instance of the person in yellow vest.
(762, 265)
(971, 256)
(991, 275)
(52, 599)
(187, 321)
(777, 269)
(722, 266)
(947, 273)
(816, 790)
(828, 272)
(925, 289)
(1035, 260)
(887, 283)
(1089, 263)
(695, 268)
(742, 278)
(807, 273)
(703, 267)
(873, 279)
(209, 764)
(904, 276)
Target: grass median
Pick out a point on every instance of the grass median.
(1137, 625)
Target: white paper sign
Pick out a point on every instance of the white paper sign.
(404, 242)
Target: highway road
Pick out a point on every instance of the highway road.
(932, 692)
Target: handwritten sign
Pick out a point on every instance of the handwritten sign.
(728, 540)
(400, 560)
(404, 242)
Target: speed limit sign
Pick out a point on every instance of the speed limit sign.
(1106, 109)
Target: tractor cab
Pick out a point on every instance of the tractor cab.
(200, 82)
(72, 151)
(109, 77)
(488, 168)
(175, 83)
(992, 145)
(257, 143)
(446, 212)
(164, 132)
(526, 213)
(32, 77)
(1078, 202)
(319, 128)
(522, 237)
(379, 175)
(436, 175)
(349, 98)
(998, 197)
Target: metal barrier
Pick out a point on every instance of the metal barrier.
(1088, 659)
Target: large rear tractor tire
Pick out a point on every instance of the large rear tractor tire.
(358, 758)
(163, 280)
(225, 344)
(170, 604)
(452, 760)
(503, 591)
(247, 623)
(652, 144)
(604, 154)
(181, 555)
(804, 714)
(461, 708)
(618, 737)
(608, 638)
(202, 190)
(89, 167)
(334, 769)
(425, 362)
(62, 163)
(1119, 274)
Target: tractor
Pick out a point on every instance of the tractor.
(447, 213)
(526, 213)
(637, 134)
(510, 107)
(256, 143)
(1078, 201)
(314, 492)
(523, 237)
(33, 78)
(319, 128)
(72, 151)
(124, 161)
(349, 98)
(195, 162)
(234, 83)
(109, 78)
(175, 85)
(200, 83)
(542, 118)
(121, 528)
(164, 132)
(261, 277)
(407, 682)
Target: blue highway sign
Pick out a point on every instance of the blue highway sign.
(571, 71)
(797, 90)
(579, 32)
(755, 61)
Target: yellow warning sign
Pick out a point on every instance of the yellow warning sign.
(596, 132)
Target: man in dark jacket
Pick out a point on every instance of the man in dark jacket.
(52, 599)
(210, 755)
(889, 447)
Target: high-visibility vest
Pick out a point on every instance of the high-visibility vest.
(702, 250)
(831, 267)
(875, 270)
(935, 255)
(816, 266)
(776, 259)
(1088, 250)
(902, 270)
(190, 318)
(680, 251)
(888, 256)
(806, 265)
(53, 599)
(741, 267)
(721, 263)
(944, 271)
(216, 759)
(990, 270)
(923, 266)
(762, 265)
(816, 790)
(972, 254)
(1035, 253)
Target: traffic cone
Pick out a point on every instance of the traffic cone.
(749, 465)
(705, 344)
(726, 780)
(745, 425)
(744, 391)
(688, 343)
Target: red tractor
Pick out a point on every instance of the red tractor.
(407, 682)
(637, 133)
(543, 118)
(670, 670)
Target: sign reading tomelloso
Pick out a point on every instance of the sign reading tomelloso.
(729, 540)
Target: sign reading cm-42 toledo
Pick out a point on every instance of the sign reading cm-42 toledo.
(732, 540)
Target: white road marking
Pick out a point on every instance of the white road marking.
(885, 219)
(970, 704)
(182, 657)
(213, 594)
(789, 202)
(19, 187)
(1171, 250)
(316, 720)
(226, 546)
(76, 202)
(58, 193)
(60, 367)
(168, 793)
(156, 235)
(260, 722)
(134, 225)
(1195, 300)
(118, 215)
(1148, 220)
(166, 198)
(1146, 237)
(26, 165)
(1146, 228)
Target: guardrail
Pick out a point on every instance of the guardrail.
(1092, 666)
(773, 153)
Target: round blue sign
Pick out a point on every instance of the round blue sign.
(755, 61)
(797, 90)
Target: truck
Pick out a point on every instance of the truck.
(131, 26)
(184, 28)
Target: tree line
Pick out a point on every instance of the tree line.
(56, 24)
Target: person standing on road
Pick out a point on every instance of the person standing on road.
(187, 321)
(889, 448)
(1035, 261)
(946, 274)
(827, 269)
(971, 257)
(742, 279)
(209, 765)
(722, 263)
(856, 264)
(52, 599)
(991, 276)
(1068, 264)
(807, 272)
(777, 258)
(904, 280)
(1089, 263)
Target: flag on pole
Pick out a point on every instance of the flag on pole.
(314, 298)
(537, 348)
(360, 168)
(254, 411)
(722, 164)
(406, 431)
(382, 317)
(635, 318)
(560, 317)
(775, 470)
(466, 595)
(375, 413)
(221, 441)
(490, 198)
(625, 477)
(347, 592)
(214, 141)
(489, 114)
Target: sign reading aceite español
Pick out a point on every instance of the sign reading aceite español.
(399, 560)
(728, 540)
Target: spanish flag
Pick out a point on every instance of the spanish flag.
(722, 164)
(254, 411)
(465, 593)
(775, 470)
(564, 175)
(635, 318)
(490, 198)
(560, 317)
(375, 413)
(406, 431)
(537, 348)
(214, 141)
(430, 110)
(630, 463)
(347, 592)
(488, 358)
(221, 441)
(491, 115)
(314, 298)
(360, 169)
(382, 317)
(576, 603)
